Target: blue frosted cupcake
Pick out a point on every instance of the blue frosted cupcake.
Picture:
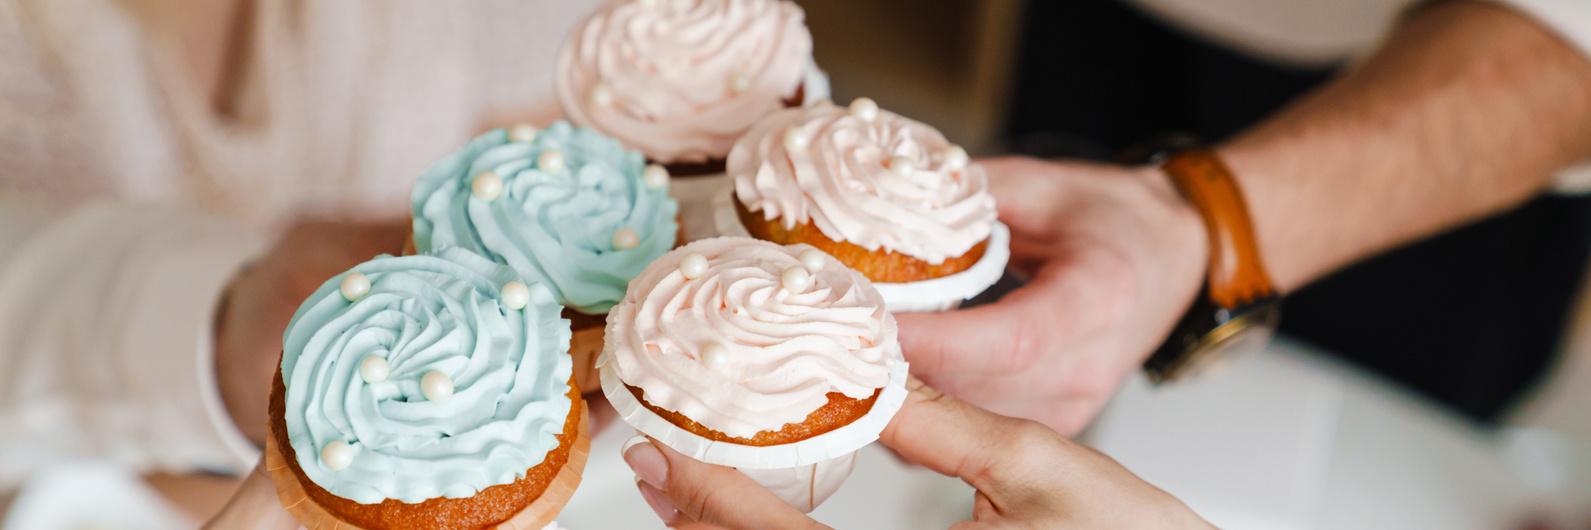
(566, 206)
(427, 391)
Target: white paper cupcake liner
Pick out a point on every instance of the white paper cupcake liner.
(805, 487)
(832, 444)
(939, 294)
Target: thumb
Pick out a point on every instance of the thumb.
(254, 507)
(1004, 337)
(958, 439)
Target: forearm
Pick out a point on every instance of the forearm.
(1466, 110)
(105, 337)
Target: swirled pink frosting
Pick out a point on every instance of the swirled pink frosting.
(668, 67)
(786, 351)
(843, 184)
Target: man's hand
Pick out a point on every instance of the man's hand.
(1026, 476)
(264, 297)
(1116, 257)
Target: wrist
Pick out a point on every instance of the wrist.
(1237, 309)
(1188, 242)
(237, 374)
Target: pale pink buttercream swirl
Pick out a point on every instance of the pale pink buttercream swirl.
(786, 351)
(670, 67)
(842, 182)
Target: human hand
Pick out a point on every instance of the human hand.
(1026, 476)
(254, 506)
(1115, 255)
(262, 299)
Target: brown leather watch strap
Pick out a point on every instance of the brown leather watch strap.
(1236, 275)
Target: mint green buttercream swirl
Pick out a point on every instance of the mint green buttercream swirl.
(440, 312)
(554, 228)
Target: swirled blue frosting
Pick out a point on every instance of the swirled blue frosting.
(440, 312)
(554, 228)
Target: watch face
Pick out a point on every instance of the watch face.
(1246, 332)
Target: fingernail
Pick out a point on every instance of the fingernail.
(646, 461)
(660, 504)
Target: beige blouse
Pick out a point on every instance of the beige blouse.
(341, 102)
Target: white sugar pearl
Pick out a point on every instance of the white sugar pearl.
(355, 286)
(522, 133)
(796, 138)
(813, 259)
(601, 96)
(955, 157)
(902, 166)
(550, 162)
(337, 455)
(693, 266)
(739, 82)
(487, 186)
(864, 108)
(654, 176)
(647, 3)
(625, 239)
(436, 386)
(374, 369)
(796, 279)
(715, 356)
(515, 295)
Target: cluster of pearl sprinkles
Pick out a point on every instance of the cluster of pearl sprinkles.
(434, 385)
(797, 278)
(865, 109)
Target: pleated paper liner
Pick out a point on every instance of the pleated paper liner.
(926, 296)
(536, 516)
(835, 443)
(803, 473)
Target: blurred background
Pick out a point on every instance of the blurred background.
(1442, 385)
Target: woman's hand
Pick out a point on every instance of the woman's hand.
(1115, 255)
(254, 506)
(1026, 475)
(262, 299)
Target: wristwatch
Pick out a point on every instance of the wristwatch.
(1238, 309)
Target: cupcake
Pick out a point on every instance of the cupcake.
(428, 391)
(777, 360)
(566, 207)
(886, 195)
(681, 80)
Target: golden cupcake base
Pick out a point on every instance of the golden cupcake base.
(535, 516)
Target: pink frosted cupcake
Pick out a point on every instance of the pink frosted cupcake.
(779, 361)
(887, 195)
(681, 80)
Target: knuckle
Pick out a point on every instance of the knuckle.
(1028, 436)
(701, 496)
(699, 501)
